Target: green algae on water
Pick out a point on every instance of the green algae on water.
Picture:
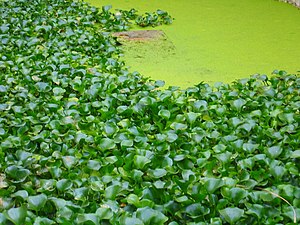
(217, 40)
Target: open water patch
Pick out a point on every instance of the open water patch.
(217, 40)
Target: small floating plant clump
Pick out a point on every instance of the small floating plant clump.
(154, 19)
(84, 141)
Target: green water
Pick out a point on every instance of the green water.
(218, 40)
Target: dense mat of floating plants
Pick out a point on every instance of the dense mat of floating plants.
(83, 141)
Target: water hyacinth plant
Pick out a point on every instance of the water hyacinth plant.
(84, 141)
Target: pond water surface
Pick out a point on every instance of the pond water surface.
(217, 40)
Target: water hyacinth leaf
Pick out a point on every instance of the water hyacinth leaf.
(239, 103)
(111, 159)
(295, 154)
(147, 101)
(237, 194)
(178, 126)
(171, 136)
(224, 157)
(97, 186)
(106, 144)
(22, 194)
(159, 83)
(90, 218)
(159, 184)
(106, 8)
(197, 210)
(256, 209)
(3, 107)
(201, 104)
(274, 151)
(2, 131)
(192, 117)
(3, 88)
(178, 158)
(69, 161)
(141, 161)
(43, 87)
(131, 221)
(133, 199)
(232, 215)
(80, 136)
(249, 147)
(127, 143)
(173, 223)
(37, 202)
(277, 171)
(112, 191)
(219, 148)
(94, 164)
(58, 91)
(58, 202)
(110, 129)
(104, 213)
(3, 220)
(43, 221)
(64, 184)
(17, 173)
(137, 175)
(16, 215)
(81, 193)
(212, 184)
(157, 173)
(164, 113)
(151, 216)
(188, 175)
(287, 117)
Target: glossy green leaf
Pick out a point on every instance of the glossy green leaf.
(239, 103)
(81, 193)
(104, 213)
(197, 210)
(22, 194)
(17, 173)
(295, 154)
(89, 218)
(178, 126)
(236, 194)
(133, 199)
(43, 221)
(3, 220)
(192, 117)
(257, 210)
(141, 161)
(151, 216)
(69, 161)
(37, 202)
(131, 221)
(94, 164)
(274, 151)
(157, 173)
(16, 215)
(43, 87)
(212, 184)
(64, 184)
(164, 113)
(106, 144)
(112, 191)
(58, 91)
(232, 215)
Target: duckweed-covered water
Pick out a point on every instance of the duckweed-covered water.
(217, 40)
